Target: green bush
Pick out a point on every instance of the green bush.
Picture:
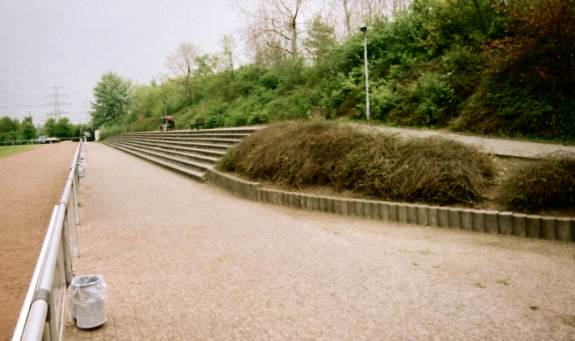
(432, 97)
(213, 112)
(546, 184)
(461, 67)
(383, 100)
(501, 107)
(143, 123)
(109, 131)
(288, 107)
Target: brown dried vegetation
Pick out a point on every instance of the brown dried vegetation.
(299, 154)
(548, 183)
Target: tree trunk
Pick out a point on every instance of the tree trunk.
(347, 17)
(294, 37)
(189, 94)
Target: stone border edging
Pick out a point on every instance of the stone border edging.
(494, 222)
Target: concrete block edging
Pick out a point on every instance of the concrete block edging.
(495, 222)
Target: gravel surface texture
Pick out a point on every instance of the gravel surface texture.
(497, 146)
(185, 261)
(30, 186)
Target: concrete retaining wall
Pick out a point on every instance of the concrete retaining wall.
(495, 222)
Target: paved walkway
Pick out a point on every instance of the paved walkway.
(498, 146)
(185, 261)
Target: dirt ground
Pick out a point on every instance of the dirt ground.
(30, 186)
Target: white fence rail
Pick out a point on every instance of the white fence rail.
(42, 313)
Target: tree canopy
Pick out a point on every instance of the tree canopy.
(111, 99)
(27, 129)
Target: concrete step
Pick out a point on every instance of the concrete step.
(207, 152)
(190, 155)
(190, 134)
(197, 145)
(192, 173)
(219, 131)
(235, 130)
(188, 152)
(226, 141)
(183, 162)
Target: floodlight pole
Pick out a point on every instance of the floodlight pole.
(367, 113)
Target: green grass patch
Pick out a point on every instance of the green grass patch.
(9, 150)
(300, 154)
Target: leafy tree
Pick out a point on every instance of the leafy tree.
(27, 129)
(9, 129)
(62, 128)
(49, 127)
(320, 39)
(112, 96)
(206, 65)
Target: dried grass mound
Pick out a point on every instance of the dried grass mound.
(431, 170)
(295, 153)
(300, 154)
(546, 184)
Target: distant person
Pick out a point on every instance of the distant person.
(168, 123)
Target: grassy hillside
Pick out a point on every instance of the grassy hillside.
(490, 66)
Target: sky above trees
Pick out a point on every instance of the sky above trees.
(70, 44)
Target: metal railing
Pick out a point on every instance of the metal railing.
(42, 313)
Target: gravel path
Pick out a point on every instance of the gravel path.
(185, 261)
(30, 186)
(497, 146)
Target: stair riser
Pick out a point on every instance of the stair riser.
(189, 156)
(192, 145)
(167, 158)
(205, 152)
(215, 136)
(194, 133)
(196, 177)
(183, 139)
(203, 136)
(191, 153)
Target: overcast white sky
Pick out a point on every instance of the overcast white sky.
(71, 43)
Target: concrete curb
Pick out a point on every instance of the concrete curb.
(506, 223)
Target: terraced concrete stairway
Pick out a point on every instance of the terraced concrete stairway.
(191, 153)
